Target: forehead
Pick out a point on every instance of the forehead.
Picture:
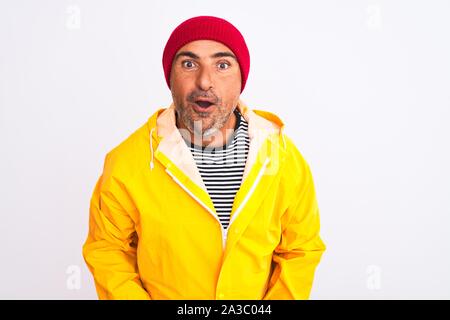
(204, 47)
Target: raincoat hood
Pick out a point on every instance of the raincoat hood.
(166, 138)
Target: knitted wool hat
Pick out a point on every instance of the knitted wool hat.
(207, 28)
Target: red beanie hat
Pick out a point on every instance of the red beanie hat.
(207, 28)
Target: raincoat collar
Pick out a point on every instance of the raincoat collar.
(166, 138)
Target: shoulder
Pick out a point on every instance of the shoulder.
(129, 156)
(295, 163)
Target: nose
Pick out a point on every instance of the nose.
(204, 79)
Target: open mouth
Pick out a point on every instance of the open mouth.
(203, 104)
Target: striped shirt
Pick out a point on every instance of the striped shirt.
(222, 168)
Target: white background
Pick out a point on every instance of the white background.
(362, 86)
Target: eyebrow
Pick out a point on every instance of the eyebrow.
(192, 55)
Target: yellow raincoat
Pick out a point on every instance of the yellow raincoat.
(154, 232)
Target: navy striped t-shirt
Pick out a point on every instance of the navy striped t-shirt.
(222, 168)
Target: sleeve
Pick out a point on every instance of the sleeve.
(110, 248)
(300, 249)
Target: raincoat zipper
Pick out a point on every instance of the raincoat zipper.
(252, 189)
(224, 232)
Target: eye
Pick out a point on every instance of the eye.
(187, 64)
(224, 65)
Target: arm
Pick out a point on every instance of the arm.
(300, 249)
(110, 248)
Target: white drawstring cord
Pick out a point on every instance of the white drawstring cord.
(151, 149)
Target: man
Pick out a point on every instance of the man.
(208, 199)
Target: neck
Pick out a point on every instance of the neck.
(217, 139)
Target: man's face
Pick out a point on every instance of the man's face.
(205, 70)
